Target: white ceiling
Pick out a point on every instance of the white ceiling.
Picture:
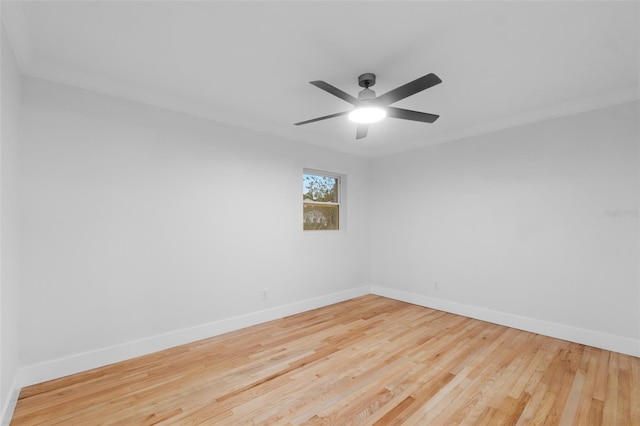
(249, 63)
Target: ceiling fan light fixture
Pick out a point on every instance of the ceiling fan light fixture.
(367, 114)
(369, 108)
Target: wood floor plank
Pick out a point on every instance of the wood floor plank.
(366, 361)
(634, 392)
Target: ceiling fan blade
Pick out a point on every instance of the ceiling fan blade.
(362, 130)
(407, 114)
(334, 91)
(406, 90)
(337, 114)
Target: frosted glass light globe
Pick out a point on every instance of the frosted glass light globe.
(367, 114)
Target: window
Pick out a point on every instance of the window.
(320, 201)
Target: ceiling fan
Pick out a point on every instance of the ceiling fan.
(369, 108)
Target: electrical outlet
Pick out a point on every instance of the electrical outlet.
(436, 285)
(264, 294)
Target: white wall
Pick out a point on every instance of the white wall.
(9, 113)
(140, 221)
(516, 223)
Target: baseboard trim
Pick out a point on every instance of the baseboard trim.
(9, 404)
(77, 363)
(61, 367)
(583, 336)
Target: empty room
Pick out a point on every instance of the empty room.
(299, 212)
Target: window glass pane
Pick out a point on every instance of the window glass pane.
(320, 188)
(320, 216)
(320, 201)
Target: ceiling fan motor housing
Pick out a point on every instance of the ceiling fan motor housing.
(366, 95)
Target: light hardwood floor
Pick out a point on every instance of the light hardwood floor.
(366, 361)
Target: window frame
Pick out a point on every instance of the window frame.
(339, 202)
